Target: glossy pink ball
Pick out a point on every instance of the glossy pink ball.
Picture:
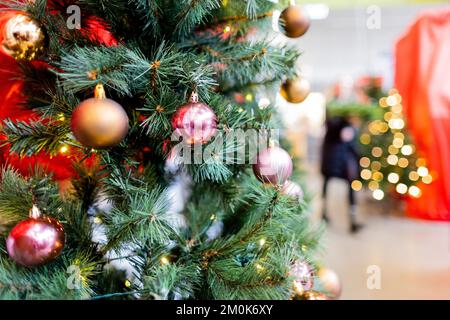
(34, 242)
(273, 165)
(195, 122)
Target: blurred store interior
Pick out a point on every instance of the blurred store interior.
(343, 46)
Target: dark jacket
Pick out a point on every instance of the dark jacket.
(340, 159)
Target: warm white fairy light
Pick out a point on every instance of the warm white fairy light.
(392, 160)
(422, 171)
(415, 192)
(378, 194)
(393, 177)
(402, 188)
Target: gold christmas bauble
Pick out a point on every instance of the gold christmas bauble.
(99, 123)
(294, 21)
(22, 37)
(295, 90)
(313, 295)
(330, 282)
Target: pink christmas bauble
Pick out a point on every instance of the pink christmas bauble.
(195, 122)
(303, 276)
(34, 242)
(292, 189)
(273, 165)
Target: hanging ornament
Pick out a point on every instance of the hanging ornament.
(292, 189)
(294, 21)
(330, 282)
(195, 122)
(295, 90)
(35, 241)
(22, 37)
(314, 295)
(99, 122)
(273, 165)
(303, 276)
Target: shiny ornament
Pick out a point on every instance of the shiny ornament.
(98, 122)
(22, 37)
(292, 189)
(294, 21)
(295, 90)
(313, 295)
(195, 122)
(330, 283)
(35, 241)
(303, 276)
(273, 165)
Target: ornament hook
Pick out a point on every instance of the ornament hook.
(35, 213)
(99, 92)
(194, 97)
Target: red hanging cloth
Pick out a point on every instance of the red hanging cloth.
(423, 80)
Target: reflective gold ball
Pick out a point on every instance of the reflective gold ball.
(330, 282)
(313, 295)
(294, 21)
(99, 123)
(23, 38)
(295, 90)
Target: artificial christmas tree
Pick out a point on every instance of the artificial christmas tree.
(170, 68)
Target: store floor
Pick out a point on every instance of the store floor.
(410, 258)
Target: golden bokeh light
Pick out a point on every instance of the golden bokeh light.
(421, 162)
(388, 116)
(366, 174)
(376, 166)
(413, 176)
(377, 152)
(393, 150)
(357, 185)
(403, 162)
(364, 162)
(398, 143)
(365, 139)
(383, 102)
(377, 176)
(397, 108)
(427, 179)
(373, 185)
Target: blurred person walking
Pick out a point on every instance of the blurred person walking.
(340, 159)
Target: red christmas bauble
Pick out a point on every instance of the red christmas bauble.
(273, 165)
(195, 122)
(36, 241)
(303, 276)
(292, 189)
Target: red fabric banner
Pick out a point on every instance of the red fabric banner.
(423, 80)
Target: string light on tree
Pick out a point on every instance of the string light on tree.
(388, 159)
